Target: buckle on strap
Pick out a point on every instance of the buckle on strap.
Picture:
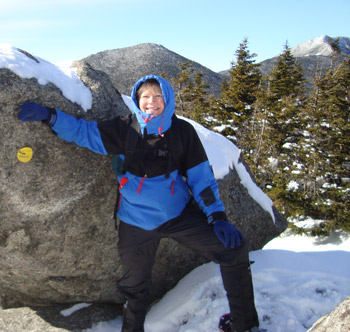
(161, 153)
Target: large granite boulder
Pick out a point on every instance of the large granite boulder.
(58, 318)
(57, 236)
(337, 320)
(257, 222)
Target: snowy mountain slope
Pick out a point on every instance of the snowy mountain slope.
(320, 46)
(312, 54)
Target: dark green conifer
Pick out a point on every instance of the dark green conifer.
(238, 95)
(200, 108)
(280, 106)
(331, 148)
(183, 88)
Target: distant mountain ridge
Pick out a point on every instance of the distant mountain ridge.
(320, 46)
(126, 65)
(312, 54)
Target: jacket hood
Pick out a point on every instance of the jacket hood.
(160, 124)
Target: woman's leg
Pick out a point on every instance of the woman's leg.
(137, 248)
(193, 230)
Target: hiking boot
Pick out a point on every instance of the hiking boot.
(227, 325)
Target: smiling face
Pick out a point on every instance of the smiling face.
(151, 99)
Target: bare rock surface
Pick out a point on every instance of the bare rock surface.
(247, 214)
(56, 318)
(336, 321)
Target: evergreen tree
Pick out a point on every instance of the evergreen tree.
(183, 88)
(331, 148)
(192, 97)
(279, 111)
(287, 77)
(308, 181)
(200, 106)
(238, 94)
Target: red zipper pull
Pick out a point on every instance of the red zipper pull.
(140, 184)
(161, 127)
(123, 181)
(172, 187)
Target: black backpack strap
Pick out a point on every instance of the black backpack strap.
(132, 137)
(175, 145)
(119, 165)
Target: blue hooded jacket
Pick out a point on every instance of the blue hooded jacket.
(148, 197)
(160, 124)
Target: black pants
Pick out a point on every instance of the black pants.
(137, 249)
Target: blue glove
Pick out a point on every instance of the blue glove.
(228, 234)
(34, 112)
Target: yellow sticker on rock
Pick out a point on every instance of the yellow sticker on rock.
(25, 154)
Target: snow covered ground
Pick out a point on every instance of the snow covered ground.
(297, 279)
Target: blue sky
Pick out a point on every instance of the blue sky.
(206, 31)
